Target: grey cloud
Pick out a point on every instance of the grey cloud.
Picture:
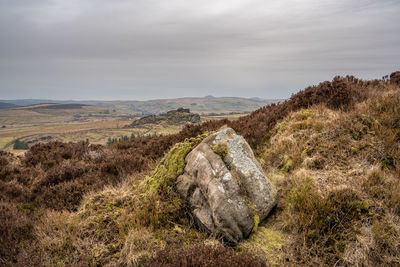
(151, 49)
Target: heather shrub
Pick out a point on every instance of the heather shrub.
(13, 191)
(202, 255)
(47, 155)
(114, 217)
(15, 228)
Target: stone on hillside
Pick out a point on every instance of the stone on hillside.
(225, 186)
(395, 77)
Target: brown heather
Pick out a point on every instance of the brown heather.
(332, 150)
(203, 255)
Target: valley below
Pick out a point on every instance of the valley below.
(71, 122)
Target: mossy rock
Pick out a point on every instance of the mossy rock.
(164, 205)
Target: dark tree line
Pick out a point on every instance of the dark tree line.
(18, 144)
(123, 138)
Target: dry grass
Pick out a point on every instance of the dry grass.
(337, 173)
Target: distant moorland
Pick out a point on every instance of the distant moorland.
(38, 120)
(197, 104)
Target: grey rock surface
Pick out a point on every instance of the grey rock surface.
(227, 194)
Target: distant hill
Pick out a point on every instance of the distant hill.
(54, 106)
(7, 105)
(28, 102)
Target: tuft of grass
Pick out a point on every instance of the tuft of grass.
(266, 243)
(287, 165)
(383, 188)
(325, 224)
(386, 249)
(138, 247)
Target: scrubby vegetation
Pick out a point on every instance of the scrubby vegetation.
(18, 144)
(124, 138)
(338, 174)
(332, 150)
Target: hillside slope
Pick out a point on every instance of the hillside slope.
(332, 150)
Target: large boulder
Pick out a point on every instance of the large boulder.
(225, 186)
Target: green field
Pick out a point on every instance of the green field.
(39, 115)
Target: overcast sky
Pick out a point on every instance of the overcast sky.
(145, 49)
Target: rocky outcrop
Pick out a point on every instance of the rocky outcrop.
(395, 77)
(225, 186)
(176, 117)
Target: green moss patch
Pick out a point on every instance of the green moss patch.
(221, 149)
(266, 243)
(161, 201)
(256, 219)
(287, 165)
